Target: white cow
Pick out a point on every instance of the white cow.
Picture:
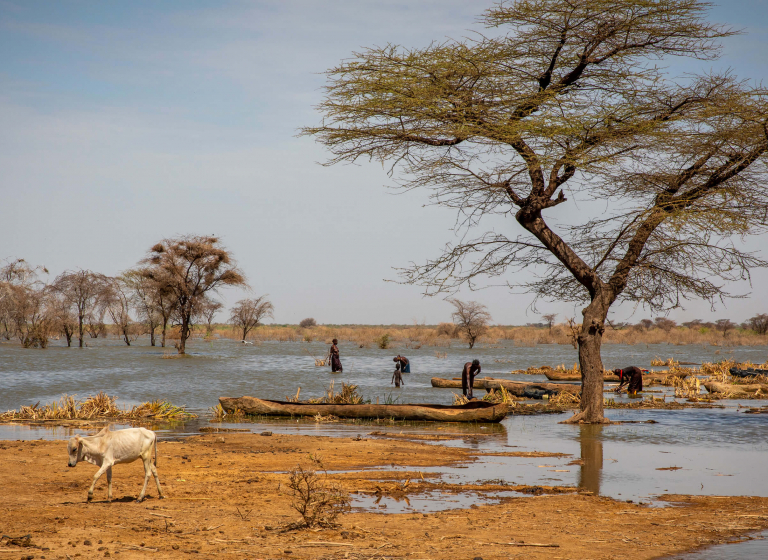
(109, 448)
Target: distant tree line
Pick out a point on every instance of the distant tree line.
(172, 287)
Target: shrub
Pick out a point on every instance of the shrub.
(308, 323)
(384, 341)
(318, 501)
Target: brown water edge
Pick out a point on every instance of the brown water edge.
(224, 489)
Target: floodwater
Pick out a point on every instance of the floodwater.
(694, 451)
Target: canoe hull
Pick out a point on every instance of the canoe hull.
(472, 412)
(517, 388)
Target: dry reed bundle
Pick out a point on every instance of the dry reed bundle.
(499, 396)
(99, 406)
(458, 400)
(564, 398)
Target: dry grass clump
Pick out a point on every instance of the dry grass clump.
(218, 414)
(459, 400)
(99, 406)
(499, 396)
(564, 399)
(686, 387)
(347, 395)
(669, 363)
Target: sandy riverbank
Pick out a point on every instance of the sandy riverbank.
(229, 499)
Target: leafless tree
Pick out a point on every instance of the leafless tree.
(66, 320)
(549, 319)
(186, 269)
(308, 323)
(562, 99)
(208, 310)
(759, 323)
(471, 319)
(645, 324)
(117, 301)
(249, 313)
(81, 290)
(664, 324)
(26, 304)
(144, 301)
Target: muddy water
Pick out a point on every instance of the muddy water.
(714, 451)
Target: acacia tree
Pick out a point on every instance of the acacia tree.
(759, 323)
(549, 318)
(185, 269)
(249, 313)
(471, 319)
(564, 97)
(81, 290)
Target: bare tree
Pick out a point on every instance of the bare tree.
(117, 301)
(66, 320)
(759, 323)
(143, 301)
(208, 310)
(185, 269)
(471, 319)
(26, 304)
(549, 319)
(565, 100)
(81, 289)
(249, 313)
(724, 326)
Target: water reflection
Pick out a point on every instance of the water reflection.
(591, 443)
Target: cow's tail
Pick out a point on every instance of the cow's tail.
(155, 450)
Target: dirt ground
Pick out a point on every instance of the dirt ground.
(226, 497)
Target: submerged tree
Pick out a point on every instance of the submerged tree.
(248, 314)
(566, 98)
(208, 310)
(185, 270)
(81, 290)
(144, 300)
(471, 319)
(26, 304)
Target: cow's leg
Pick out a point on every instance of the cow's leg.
(96, 477)
(157, 480)
(109, 483)
(147, 464)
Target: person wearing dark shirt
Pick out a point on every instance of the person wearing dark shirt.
(631, 375)
(471, 369)
(335, 360)
(405, 363)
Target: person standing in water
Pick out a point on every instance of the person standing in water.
(405, 363)
(397, 378)
(335, 360)
(632, 375)
(471, 369)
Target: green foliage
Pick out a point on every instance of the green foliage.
(383, 341)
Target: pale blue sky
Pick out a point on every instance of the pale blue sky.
(125, 122)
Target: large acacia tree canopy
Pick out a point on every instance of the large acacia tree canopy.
(566, 95)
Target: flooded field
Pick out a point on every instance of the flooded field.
(275, 369)
(701, 451)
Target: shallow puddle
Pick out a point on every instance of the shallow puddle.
(750, 549)
(427, 502)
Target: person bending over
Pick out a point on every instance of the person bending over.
(471, 369)
(405, 363)
(630, 375)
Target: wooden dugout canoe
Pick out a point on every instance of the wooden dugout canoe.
(570, 376)
(517, 388)
(475, 411)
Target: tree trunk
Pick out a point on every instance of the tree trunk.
(165, 329)
(182, 346)
(80, 319)
(591, 364)
(245, 333)
(152, 335)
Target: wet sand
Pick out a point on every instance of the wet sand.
(226, 496)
